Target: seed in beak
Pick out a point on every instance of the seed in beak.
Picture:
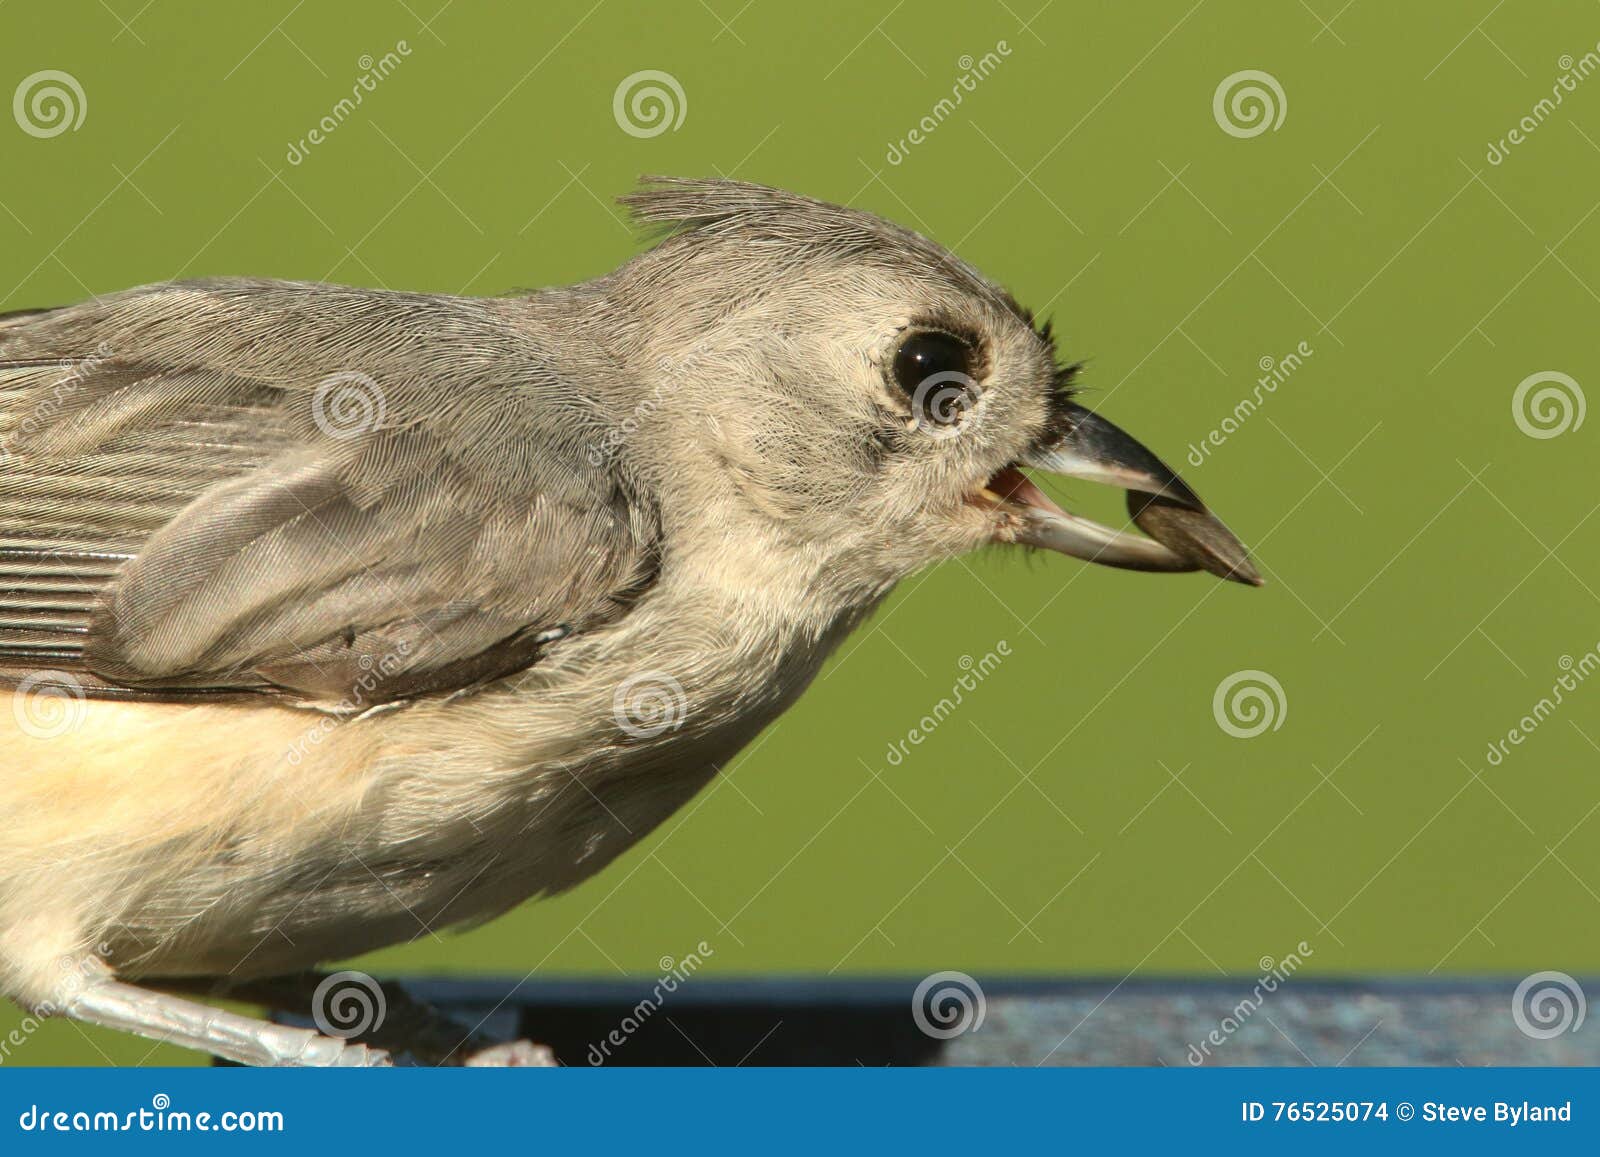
(1197, 535)
(1184, 534)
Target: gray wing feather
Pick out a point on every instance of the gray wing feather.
(258, 486)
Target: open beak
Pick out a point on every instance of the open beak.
(1184, 535)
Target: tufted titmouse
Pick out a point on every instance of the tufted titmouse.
(330, 615)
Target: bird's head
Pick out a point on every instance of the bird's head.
(851, 396)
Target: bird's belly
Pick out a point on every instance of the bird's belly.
(243, 840)
(346, 898)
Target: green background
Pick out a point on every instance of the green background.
(1430, 564)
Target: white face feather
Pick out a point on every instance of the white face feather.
(765, 341)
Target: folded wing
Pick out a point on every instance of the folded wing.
(338, 495)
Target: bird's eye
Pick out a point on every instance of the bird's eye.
(934, 369)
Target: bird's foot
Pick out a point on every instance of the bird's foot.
(516, 1054)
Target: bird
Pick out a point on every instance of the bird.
(330, 614)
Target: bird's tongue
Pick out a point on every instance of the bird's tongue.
(1014, 486)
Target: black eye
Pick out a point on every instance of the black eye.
(928, 352)
(934, 369)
